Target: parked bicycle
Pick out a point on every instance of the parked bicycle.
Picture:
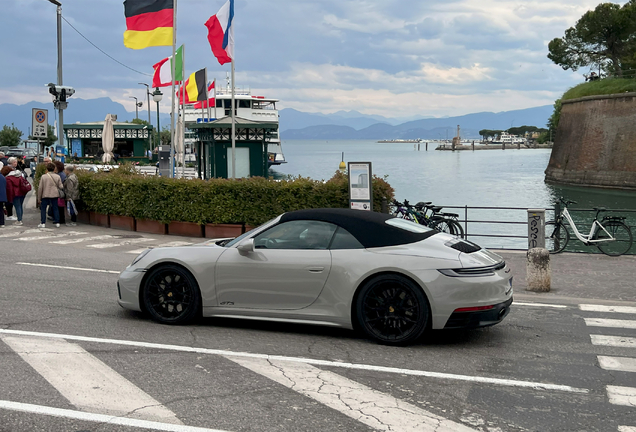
(426, 214)
(610, 235)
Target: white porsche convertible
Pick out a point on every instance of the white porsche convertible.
(388, 277)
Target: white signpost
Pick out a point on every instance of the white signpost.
(40, 122)
(360, 187)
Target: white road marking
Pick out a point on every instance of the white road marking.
(51, 235)
(69, 268)
(119, 243)
(364, 404)
(539, 305)
(87, 382)
(29, 231)
(614, 323)
(622, 395)
(614, 341)
(171, 244)
(623, 364)
(602, 308)
(71, 241)
(627, 429)
(100, 418)
(384, 369)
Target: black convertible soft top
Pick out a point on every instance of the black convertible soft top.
(369, 228)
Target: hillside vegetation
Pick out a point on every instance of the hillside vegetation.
(601, 87)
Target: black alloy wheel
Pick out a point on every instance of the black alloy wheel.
(392, 310)
(171, 295)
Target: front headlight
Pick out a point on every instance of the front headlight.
(140, 256)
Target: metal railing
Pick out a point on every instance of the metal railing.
(501, 222)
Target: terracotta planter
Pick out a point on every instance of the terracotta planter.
(83, 217)
(150, 226)
(122, 222)
(223, 230)
(186, 229)
(99, 219)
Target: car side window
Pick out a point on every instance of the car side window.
(298, 234)
(343, 239)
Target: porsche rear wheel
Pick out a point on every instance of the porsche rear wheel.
(392, 310)
(171, 295)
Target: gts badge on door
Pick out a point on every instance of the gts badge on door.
(227, 303)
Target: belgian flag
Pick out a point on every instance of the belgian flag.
(148, 23)
(196, 88)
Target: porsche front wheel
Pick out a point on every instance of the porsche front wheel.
(392, 310)
(171, 295)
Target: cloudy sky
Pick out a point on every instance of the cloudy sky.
(396, 58)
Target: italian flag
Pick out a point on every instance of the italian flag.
(163, 70)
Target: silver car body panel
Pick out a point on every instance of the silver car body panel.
(319, 286)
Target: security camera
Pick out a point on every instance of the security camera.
(60, 92)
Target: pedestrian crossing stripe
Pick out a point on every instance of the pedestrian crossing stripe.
(613, 323)
(622, 364)
(625, 396)
(603, 308)
(613, 341)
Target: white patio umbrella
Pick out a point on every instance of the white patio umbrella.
(108, 139)
(179, 148)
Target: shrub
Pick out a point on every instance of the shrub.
(252, 200)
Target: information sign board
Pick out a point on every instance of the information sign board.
(360, 187)
(40, 123)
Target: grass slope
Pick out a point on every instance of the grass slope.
(601, 87)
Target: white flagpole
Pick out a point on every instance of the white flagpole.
(233, 128)
(182, 129)
(173, 66)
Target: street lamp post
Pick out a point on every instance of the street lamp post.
(157, 96)
(137, 105)
(148, 96)
(60, 115)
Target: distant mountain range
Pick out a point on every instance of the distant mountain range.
(296, 124)
(320, 126)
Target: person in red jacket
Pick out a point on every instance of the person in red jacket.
(15, 190)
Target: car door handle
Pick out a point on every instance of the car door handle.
(315, 269)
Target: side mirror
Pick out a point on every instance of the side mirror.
(246, 246)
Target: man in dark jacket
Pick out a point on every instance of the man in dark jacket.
(3, 198)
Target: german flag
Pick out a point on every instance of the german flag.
(148, 23)
(196, 87)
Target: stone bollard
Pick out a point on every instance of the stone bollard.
(538, 274)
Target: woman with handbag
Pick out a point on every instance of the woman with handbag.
(48, 193)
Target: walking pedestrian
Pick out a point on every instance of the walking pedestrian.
(3, 198)
(10, 165)
(48, 194)
(71, 187)
(16, 190)
(61, 202)
(33, 165)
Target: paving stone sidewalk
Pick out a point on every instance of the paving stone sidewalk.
(580, 276)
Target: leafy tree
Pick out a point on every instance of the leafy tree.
(10, 136)
(166, 138)
(49, 140)
(487, 133)
(605, 36)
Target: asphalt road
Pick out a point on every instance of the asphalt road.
(72, 360)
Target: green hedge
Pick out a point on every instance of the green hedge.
(252, 201)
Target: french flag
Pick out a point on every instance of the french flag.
(221, 33)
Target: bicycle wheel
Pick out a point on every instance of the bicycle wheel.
(622, 238)
(457, 228)
(556, 237)
(442, 225)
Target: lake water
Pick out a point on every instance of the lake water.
(483, 178)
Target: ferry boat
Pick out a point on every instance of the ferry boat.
(248, 106)
(506, 138)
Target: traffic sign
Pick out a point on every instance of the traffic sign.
(40, 123)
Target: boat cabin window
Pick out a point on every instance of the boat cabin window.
(264, 105)
(242, 103)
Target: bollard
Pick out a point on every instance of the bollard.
(473, 145)
(427, 146)
(385, 206)
(538, 272)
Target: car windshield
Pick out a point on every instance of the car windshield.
(407, 225)
(242, 236)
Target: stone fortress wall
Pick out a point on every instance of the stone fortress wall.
(595, 142)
